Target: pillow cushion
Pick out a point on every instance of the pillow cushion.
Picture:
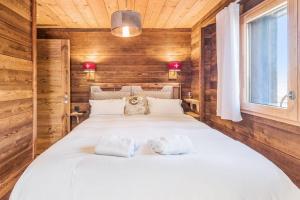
(109, 95)
(164, 106)
(107, 107)
(136, 105)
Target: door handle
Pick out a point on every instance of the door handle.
(66, 98)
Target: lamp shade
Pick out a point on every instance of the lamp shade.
(126, 23)
(175, 65)
(89, 66)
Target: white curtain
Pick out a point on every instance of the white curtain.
(228, 92)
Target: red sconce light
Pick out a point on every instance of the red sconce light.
(174, 67)
(89, 68)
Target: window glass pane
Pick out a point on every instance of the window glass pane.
(268, 58)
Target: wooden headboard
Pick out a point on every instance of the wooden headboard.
(84, 106)
(145, 86)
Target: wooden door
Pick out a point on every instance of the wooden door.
(53, 92)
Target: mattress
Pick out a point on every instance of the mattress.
(220, 168)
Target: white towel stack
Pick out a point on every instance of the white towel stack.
(171, 145)
(115, 146)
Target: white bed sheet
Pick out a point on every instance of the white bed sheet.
(219, 169)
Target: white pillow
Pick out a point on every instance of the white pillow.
(164, 106)
(107, 107)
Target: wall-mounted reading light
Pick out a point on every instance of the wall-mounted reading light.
(174, 67)
(89, 68)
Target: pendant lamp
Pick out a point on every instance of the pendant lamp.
(126, 23)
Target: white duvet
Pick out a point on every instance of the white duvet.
(219, 169)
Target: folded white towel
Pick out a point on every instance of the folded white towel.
(171, 145)
(115, 146)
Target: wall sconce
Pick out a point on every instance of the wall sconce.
(174, 67)
(89, 68)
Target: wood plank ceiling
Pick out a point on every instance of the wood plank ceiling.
(96, 13)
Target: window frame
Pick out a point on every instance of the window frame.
(291, 113)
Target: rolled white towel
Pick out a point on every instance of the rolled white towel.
(171, 145)
(115, 146)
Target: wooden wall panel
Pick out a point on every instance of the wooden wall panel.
(248, 4)
(139, 59)
(16, 90)
(277, 141)
(195, 58)
(197, 82)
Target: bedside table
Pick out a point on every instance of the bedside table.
(77, 115)
(80, 111)
(192, 103)
(194, 110)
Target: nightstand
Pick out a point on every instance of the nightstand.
(77, 115)
(193, 103)
(194, 110)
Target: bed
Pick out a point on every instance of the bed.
(219, 168)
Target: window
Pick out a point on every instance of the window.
(269, 60)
